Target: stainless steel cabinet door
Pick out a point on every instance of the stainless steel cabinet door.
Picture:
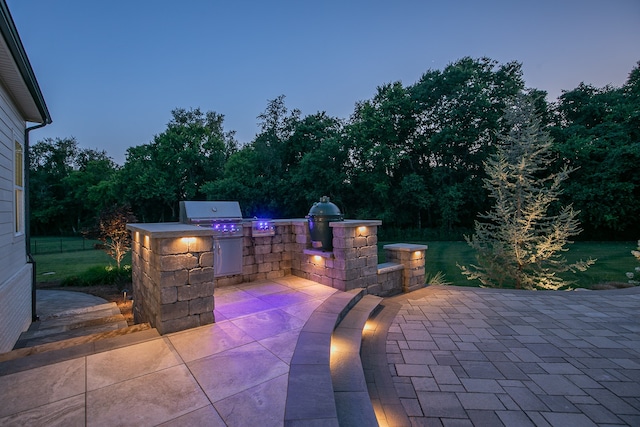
(227, 257)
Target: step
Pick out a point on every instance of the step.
(74, 312)
(310, 390)
(51, 335)
(46, 354)
(311, 396)
(353, 403)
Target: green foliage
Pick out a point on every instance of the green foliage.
(65, 185)
(520, 241)
(613, 261)
(597, 132)
(191, 151)
(111, 230)
(437, 279)
(101, 275)
(412, 156)
(53, 267)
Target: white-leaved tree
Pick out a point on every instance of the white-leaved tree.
(520, 242)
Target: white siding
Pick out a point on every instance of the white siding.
(15, 307)
(15, 273)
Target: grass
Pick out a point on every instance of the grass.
(59, 266)
(614, 261)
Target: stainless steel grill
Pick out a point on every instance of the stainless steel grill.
(225, 219)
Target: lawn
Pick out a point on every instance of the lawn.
(614, 261)
(57, 266)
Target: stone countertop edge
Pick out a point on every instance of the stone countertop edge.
(356, 223)
(170, 229)
(406, 247)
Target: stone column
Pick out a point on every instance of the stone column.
(172, 269)
(412, 257)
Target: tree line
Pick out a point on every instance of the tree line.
(412, 156)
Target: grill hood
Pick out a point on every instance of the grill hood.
(206, 212)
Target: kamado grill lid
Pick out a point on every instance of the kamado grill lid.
(324, 208)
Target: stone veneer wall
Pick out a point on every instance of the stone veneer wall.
(353, 262)
(172, 271)
(412, 257)
(267, 257)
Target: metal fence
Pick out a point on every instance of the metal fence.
(50, 245)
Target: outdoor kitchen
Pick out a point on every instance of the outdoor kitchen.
(177, 266)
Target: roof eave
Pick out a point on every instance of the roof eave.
(14, 44)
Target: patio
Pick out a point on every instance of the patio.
(436, 356)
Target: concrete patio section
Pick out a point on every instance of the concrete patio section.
(438, 356)
(233, 372)
(486, 357)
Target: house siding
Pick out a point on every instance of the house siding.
(15, 272)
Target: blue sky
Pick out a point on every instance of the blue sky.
(112, 71)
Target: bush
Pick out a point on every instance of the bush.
(101, 275)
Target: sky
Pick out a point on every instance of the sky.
(112, 71)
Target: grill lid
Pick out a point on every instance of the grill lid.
(195, 212)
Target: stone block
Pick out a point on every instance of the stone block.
(343, 242)
(370, 270)
(344, 232)
(201, 275)
(265, 267)
(273, 257)
(175, 325)
(277, 239)
(372, 240)
(200, 244)
(170, 246)
(367, 251)
(206, 259)
(250, 269)
(277, 248)
(174, 311)
(178, 262)
(262, 249)
(206, 318)
(168, 295)
(200, 305)
(374, 289)
(275, 274)
(340, 285)
(359, 242)
(170, 278)
(184, 293)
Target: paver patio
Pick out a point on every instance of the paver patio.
(469, 356)
(443, 356)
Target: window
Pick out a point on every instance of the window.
(18, 185)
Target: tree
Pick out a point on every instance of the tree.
(112, 231)
(62, 179)
(192, 150)
(520, 242)
(598, 131)
(458, 117)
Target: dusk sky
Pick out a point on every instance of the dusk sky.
(112, 71)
